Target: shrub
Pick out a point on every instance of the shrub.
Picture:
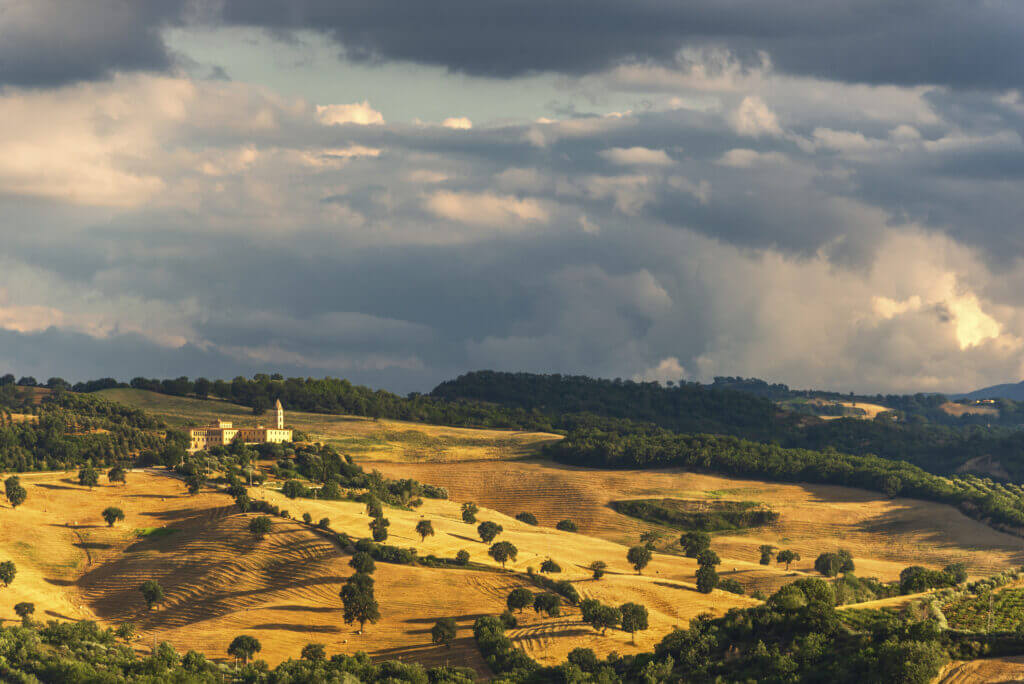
(528, 518)
(567, 526)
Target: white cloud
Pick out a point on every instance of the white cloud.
(630, 193)
(637, 156)
(360, 113)
(743, 158)
(427, 177)
(667, 370)
(700, 190)
(754, 118)
(458, 123)
(486, 208)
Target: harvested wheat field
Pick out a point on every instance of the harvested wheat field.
(884, 535)
(988, 671)
(221, 582)
(391, 440)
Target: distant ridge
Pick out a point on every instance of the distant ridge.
(1010, 390)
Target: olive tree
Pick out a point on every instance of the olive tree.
(112, 515)
(260, 526)
(425, 529)
(152, 593)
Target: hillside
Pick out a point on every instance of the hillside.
(1009, 390)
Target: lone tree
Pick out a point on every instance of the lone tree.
(425, 529)
(528, 518)
(503, 552)
(244, 647)
(88, 477)
(112, 515)
(462, 557)
(707, 579)
(152, 593)
(519, 598)
(694, 542)
(601, 617)
(831, 564)
(379, 528)
(598, 568)
(362, 562)
(469, 511)
(358, 601)
(638, 557)
(488, 531)
(787, 556)
(550, 566)
(767, 551)
(7, 572)
(260, 526)
(117, 474)
(16, 494)
(126, 632)
(443, 632)
(634, 619)
(549, 603)
(567, 526)
(314, 653)
(24, 610)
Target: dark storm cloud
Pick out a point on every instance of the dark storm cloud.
(952, 42)
(47, 43)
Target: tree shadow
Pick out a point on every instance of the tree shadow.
(304, 609)
(461, 536)
(45, 485)
(93, 545)
(59, 582)
(315, 629)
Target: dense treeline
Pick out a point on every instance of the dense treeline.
(67, 430)
(709, 516)
(734, 456)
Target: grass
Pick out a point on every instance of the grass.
(383, 439)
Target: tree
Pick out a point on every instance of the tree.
(957, 573)
(117, 474)
(634, 619)
(358, 601)
(707, 579)
(639, 557)
(787, 556)
(550, 566)
(243, 502)
(601, 617)
(88, 477)
(488, 531)
(694, 542)
(767, 551)
(528, 518)
(260, 526)
(24, 610)
(549, 603)
(469, 511)
(244, 647)
(650, 538)
(518, 599)
(567, 526)
(16, 494)
(194, 482)
(598, 568)
(443, 632)
(379, 528)
(462, 557)
(362, 562)
(425, 529)
(708, 557)
(112, 515)
(374, 508)
(126, 632)
(503, 552)
(152, 593)
(314, 653)
(7, 572)
(293, 489)
(307, 518)
(831, 564)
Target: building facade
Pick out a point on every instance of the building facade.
(222, 432)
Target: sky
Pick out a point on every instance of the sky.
(827, 194)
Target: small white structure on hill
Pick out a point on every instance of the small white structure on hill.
(221, 432)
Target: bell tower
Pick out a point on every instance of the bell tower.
(280, 414)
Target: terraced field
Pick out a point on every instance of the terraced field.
(369, 439)
(221, 582)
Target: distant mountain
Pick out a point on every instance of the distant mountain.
(1010, 390)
